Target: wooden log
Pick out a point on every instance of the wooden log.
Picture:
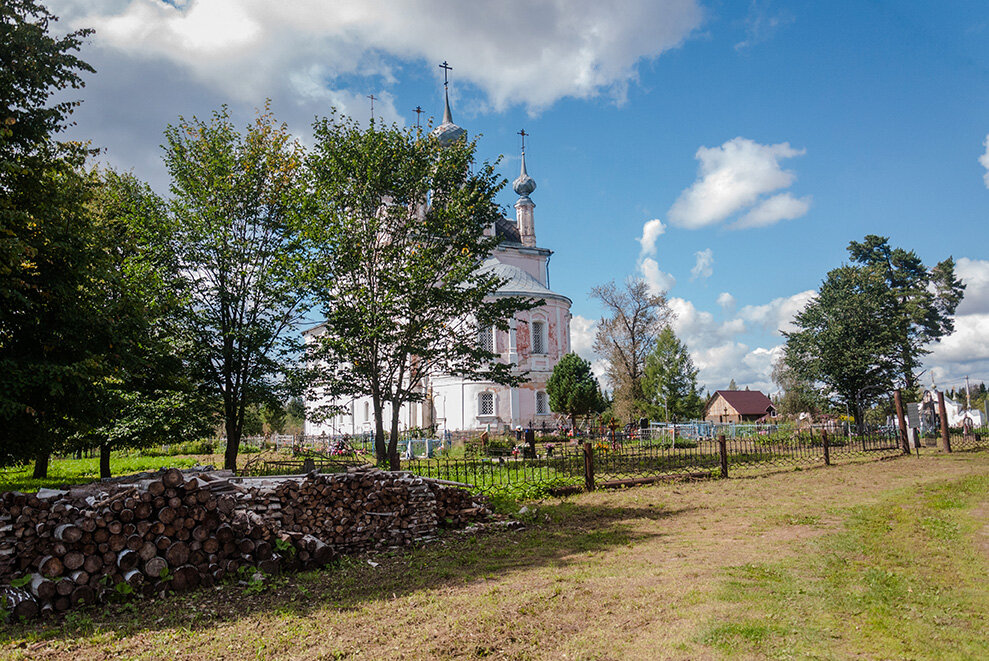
(81, 595)
(117, 543)
(172, 478)
(17, 602)
(64, 587)
(62, 603)
(154, 566)
(147, 551)
(127, 560)
(177, 554)
(93, 563)
(68, 533)
(134, 578)
(50, 566)
(73, 560)
(186, 577)
(135, 541)
(156, 488)
(80, 577)
(42, 587)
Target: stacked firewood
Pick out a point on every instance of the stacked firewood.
(176, 532)
(456, 508)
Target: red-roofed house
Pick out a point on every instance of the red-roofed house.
(739, 406)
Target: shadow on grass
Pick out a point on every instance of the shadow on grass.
(556, 535)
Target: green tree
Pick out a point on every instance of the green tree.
(848, 338)
(798, 394)
(146, 393)
(51, 345)
(670, 381)
(236, 203)
(401, 223)
(572, 388)
(925, 298)
(626, 335)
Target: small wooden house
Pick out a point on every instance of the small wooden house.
(739, 406)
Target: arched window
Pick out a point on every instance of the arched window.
(538, 337)
(486, 403)
(367, 412)
(485, 338)
(542, 403)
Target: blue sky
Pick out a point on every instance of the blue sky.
(727, 151)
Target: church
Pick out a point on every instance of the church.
(534, 343)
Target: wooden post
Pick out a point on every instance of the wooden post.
(723, 451)
(588, 466)
(942, 413)
(827, 448)
(904, 441)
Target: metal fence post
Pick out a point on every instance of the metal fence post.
(588, 466)
(943, 414)
(827, 447)
(904, 441)
(723, 451)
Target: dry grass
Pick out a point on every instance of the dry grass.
(771, 566)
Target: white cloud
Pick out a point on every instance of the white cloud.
(582, 332)
(526, 52)
(762, 23)
(651, 231)
(727, 302)
(778, 314)
(774, 209)
(984, 160)
(703, 265)
(732, 178)
(975, 274)
(659, 281)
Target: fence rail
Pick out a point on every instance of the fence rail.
(618, 460)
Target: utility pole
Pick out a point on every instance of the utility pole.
(968, 394)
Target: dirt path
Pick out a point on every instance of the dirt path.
(608, 575)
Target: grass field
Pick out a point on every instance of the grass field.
(78, 471)
(875, 560)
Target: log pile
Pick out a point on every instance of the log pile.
(60, 549)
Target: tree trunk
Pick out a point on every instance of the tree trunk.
(233, 444)
(393, 463)
(104, 460)
(380, 451)
(41, 466)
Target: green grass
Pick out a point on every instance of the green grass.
(78, 471)
(903, 579)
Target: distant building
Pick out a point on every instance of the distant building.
(956, 412)
(739, 406)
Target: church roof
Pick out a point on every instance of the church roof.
(508, 231)
(517, 281)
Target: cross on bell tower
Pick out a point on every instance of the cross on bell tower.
(373, 99)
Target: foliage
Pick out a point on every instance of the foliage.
(626, 336)
(572, 388)
(235, 207)
(51, 344)
(798, 393)
(399, 224)
(848, 338)
(147, 394)
(670, 380)
(925, 299)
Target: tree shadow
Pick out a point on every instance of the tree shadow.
(555, 536)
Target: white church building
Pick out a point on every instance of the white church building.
(534, 343)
